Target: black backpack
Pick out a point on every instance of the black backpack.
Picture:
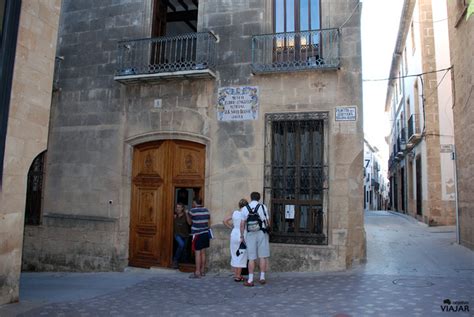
(254, 223)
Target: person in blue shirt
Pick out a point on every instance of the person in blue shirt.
(199, 219)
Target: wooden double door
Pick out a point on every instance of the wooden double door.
(161, 169)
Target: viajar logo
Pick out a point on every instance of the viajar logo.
(458, 306)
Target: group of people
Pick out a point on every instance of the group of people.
(198, 218)
(249, 239)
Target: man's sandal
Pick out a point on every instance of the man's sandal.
(248, 284)
(262, 282)
(194, 275)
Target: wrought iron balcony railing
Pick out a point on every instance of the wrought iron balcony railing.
(295, 51)
(391, 161)
(185, 55)
(414, 129)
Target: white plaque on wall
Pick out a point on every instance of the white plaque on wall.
(447, 148)
(289, 211)
(237, 103)
(346, 113)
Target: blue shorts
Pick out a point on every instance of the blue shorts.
(201, 241)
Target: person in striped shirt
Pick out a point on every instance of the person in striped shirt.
(199, 218)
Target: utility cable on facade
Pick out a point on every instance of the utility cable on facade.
(436, 21)
(350, 16)
(407, 76)
(436, 89)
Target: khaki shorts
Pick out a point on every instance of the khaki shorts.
(258, 245)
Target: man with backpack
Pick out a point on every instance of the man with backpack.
(257, 222)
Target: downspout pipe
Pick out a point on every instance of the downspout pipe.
(454, 157)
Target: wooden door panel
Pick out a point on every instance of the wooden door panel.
(189, 161)
(146, 160)
(157, 169)
(147, 203)
(145, 223)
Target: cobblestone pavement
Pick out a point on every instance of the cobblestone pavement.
(402, 278)
(284, 295)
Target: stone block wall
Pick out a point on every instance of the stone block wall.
(82, 248)
(462, 45)
(27, 130)
(97, 122)
(436, 209)
(83, 181)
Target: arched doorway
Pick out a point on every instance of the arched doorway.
(34, 190)
(161, 170)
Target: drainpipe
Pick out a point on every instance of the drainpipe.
(454, 158)
(404, 131)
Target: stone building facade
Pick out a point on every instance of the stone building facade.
(375, 182)
(27, 105)
(160, 102)
(419, 99)
(461, 43)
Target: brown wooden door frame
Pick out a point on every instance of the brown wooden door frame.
(158, 168)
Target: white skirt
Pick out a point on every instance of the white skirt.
(241, 260)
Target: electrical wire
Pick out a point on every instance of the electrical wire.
(407, 76)
(350, 16)
(436, 89)
(436, 21)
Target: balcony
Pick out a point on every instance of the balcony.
(391, 161)
(190, 55)
(375, 184)
(402, 143)
(295, 51)
(414, 130)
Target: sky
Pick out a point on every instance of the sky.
(380, 20)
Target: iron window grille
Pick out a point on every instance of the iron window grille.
(34, 192)
(296, 177)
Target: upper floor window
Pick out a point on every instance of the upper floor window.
(412, 36)
(296, 15)
(175, 46)
(298, 42)
(405, 59)
(400, 83)
(174, 17)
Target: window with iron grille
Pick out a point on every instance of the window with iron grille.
(296, 177)
(34, 192)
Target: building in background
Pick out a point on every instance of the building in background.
(419, 100)
(162, 101)
(461, 43)
(375, 181)
(28, 35)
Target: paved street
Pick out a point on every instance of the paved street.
(411, 270)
